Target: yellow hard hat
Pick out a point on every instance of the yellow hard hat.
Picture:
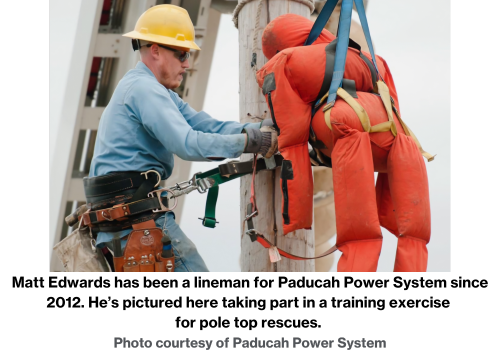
(165, 24)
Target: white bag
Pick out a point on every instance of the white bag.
(78, 252)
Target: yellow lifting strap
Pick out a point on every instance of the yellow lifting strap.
(383, 90)
(365, 120)
(360, 112)
(410, 133)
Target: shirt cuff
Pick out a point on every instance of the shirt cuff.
(250, 126)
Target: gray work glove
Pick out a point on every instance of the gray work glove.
(273, 139)
(263, 141)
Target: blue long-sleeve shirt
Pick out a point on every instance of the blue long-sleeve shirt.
(145, 124)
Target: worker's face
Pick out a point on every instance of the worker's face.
(170, 68)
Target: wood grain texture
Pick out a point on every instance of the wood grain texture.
(252, 103)
(324, 216)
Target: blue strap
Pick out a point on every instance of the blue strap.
(364, 23)
(341, 52)
(343, 39)
(321, 21)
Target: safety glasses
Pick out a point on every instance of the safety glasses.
(180, 55)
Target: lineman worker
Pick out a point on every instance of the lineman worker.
(146, 123)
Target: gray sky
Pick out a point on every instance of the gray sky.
(415, 42)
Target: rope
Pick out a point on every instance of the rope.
(255, 37)
(308, 3)
(253, 200)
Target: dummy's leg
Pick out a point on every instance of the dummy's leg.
(385, 207)
(410, 196)
(358, 230)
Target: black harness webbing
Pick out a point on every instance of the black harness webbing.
(233, 168)
(330, 61)
(116, 182)
(147, 186)
(348, 85)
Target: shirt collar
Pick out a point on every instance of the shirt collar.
(140, 65)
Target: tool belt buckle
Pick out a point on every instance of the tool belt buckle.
(158, 193)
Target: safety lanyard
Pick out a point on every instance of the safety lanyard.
(214, 179)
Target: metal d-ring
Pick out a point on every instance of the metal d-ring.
(158, 193)
(93, 244)
(157, 174)
(104, 213)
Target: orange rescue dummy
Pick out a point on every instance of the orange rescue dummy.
(363, 134)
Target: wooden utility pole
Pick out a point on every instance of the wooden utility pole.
(268, 191)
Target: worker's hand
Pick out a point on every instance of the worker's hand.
(263, 141)
(269, 133)
(267, 125)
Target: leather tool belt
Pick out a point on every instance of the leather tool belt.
(118, 201)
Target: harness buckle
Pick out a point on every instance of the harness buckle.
(328, 106)
(158, 193)
(157, 174)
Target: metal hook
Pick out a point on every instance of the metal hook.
(157, 174)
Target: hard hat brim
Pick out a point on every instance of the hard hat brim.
(163, 40)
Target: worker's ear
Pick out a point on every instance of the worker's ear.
(155, 51)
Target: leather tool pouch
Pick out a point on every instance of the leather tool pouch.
(143, 253)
